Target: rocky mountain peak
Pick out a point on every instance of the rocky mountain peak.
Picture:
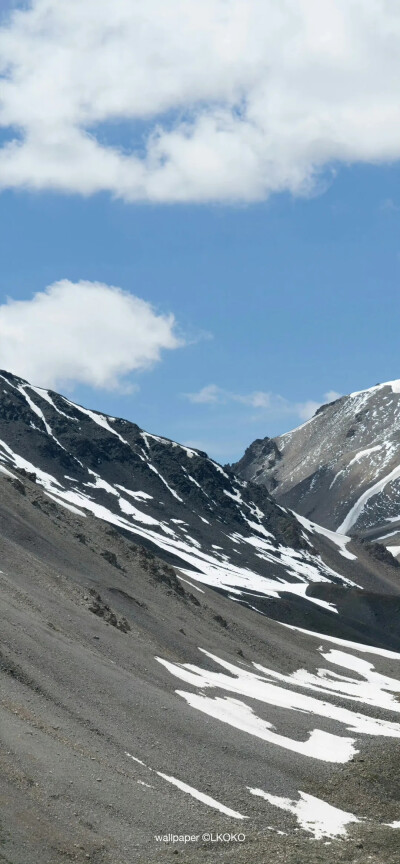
(342, 467)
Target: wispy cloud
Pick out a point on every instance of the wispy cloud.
(208, 395)
(211, 394)
(238, 99)
(389, 206)
(271, 404)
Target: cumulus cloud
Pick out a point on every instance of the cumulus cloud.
(85, 332)
(221, 99)
(271, 404)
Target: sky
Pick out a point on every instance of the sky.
(200, 208)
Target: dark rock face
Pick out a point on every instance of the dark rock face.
(379, 551)
(341, 468)
(98, 607)
(264, 453)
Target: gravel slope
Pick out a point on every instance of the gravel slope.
(80, 688)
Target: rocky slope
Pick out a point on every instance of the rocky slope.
(341, 468)
(232, 698)
(135, 707)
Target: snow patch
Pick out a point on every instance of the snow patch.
(340, 540)
(200, 796)
(313, 815)
(357, 646)
(64, 504)
(358, 507)
(190, 790)
(99, 419)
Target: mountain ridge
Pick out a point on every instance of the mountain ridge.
(341, 468)
(214, 527)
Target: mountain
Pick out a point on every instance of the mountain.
(185, 668)
(341, 468)
(175, 501)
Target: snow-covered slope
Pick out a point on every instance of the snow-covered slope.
(341, 468)
(216, 528)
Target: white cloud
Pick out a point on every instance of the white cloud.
(211, 394)
(389, 206)
(332, 395)
(239, 98)
(84, 332)
(207, 395)
(306, 410)
(259, 399)
(271, 404)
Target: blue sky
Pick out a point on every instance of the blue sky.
(290, 297)
(293, 297)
